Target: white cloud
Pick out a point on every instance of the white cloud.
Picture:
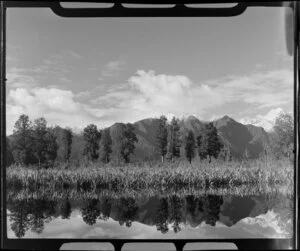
(56, 105)
(82, 95)
(262, 89)
(147, 94)
(113, 68)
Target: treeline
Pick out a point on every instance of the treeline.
(207, 144)
(170, 140)
(35, 143)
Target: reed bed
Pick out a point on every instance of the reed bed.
(155, 176)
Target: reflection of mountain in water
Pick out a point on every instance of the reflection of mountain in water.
(169, 213)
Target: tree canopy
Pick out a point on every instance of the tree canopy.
(123, 141)
(282, 138)
(162, 136)
(173, 146)
(208, 142)
(91, 136)
(190, 146)
(105, 146)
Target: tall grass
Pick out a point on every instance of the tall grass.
(140, 176)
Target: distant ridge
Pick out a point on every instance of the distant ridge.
(237, 136)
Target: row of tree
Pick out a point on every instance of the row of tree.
(34, 143)
(99, 143)
(169, 141)
(37, 144)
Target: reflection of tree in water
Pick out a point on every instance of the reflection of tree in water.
(105, 208)
(175, 212)
(33, 214)
(191, 204)
(19, 218)
(30, 214)
(162, 215)
(65, 208)
(128, 210)
(212, 207)
(90, 212)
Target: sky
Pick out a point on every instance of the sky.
(75, 72)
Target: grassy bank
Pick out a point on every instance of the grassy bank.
(157, 176)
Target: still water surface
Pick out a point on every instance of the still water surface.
(147, 217)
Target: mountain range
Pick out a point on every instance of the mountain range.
(238, 137)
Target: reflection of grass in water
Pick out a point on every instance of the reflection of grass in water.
(49, 194)
(169, 176)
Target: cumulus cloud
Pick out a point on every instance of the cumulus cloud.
(82, 95)
(172, 94)
(148, 94)
(56, 105)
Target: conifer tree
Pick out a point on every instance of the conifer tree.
(128, 144)
(190, 146)
(105, 146)
(91, 136)
(173, 147)
(208, 142)
(67, 143)
(22, 144)
(162, 136)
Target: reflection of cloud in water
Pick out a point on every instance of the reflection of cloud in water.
(263, 226)
(269, 224)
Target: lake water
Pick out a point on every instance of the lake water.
(151, 217)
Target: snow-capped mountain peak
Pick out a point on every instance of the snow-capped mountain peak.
(266, 121)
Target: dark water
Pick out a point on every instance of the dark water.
(157, 216)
